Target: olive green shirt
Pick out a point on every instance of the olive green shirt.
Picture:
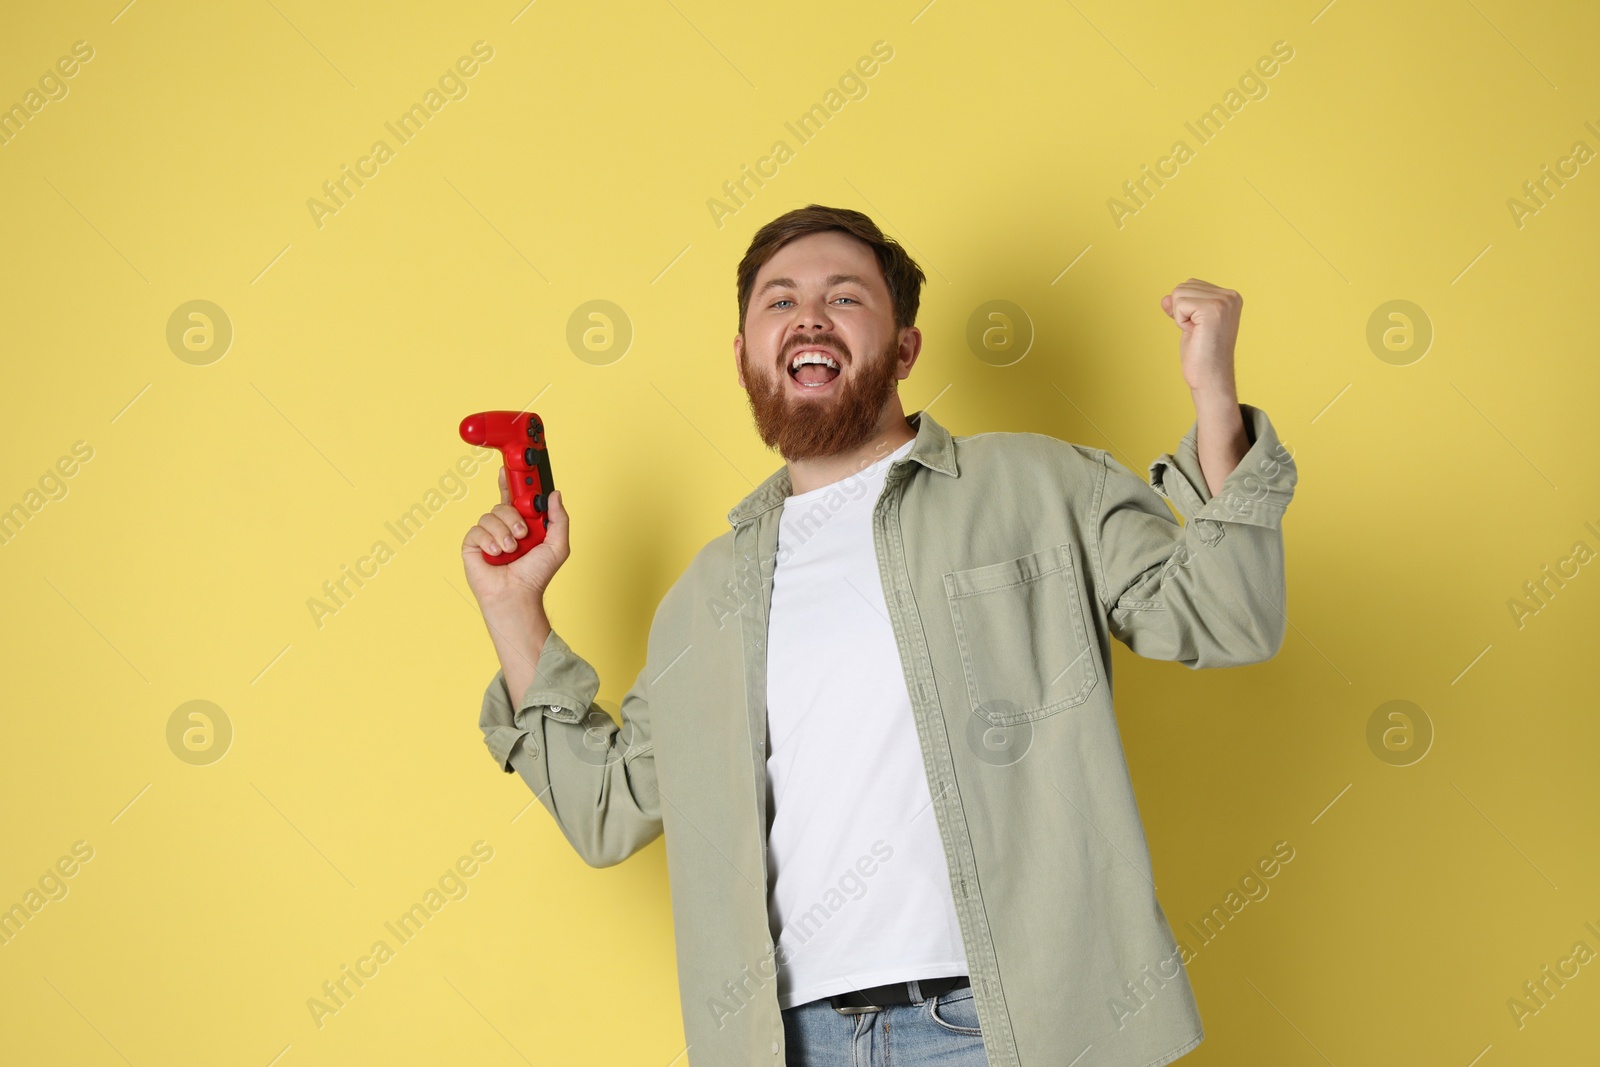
(1009, 561)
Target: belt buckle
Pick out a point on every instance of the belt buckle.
(852, 1009)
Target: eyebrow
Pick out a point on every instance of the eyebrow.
(833, 279)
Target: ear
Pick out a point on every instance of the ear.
(738, 358)
(910, 348)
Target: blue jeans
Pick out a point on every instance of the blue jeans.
(941, 1031)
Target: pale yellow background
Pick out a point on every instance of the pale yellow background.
(221, 497)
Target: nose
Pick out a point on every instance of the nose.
(813, 314)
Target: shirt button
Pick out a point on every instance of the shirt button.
(774, 1047)
(533, 749)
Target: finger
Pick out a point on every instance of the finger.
(480, 539)
(505, 486)
(512, 518)
(556, 535)
(498, 530)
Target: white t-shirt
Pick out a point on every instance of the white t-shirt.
(860, 893)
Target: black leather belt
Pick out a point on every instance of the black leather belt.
(857, 1001)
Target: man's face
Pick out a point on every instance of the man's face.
(823, 291)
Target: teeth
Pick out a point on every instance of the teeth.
(813, 357)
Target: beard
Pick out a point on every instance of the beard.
(801, 428)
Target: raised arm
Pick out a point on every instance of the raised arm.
(1208, 315)
(1210, 593)
(596, 778)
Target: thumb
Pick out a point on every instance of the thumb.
(557, 533)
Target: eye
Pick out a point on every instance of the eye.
(786, 300)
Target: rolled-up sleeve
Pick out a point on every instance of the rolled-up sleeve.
(596, 778)
(1209, 593)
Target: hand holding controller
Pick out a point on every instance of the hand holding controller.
(521, 440)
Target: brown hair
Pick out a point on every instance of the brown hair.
(900, 272)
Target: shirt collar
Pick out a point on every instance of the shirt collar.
(933, 448)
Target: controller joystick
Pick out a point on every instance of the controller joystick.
(520, 437)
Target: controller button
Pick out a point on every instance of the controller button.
(529, 480)
(538, 503)
(528, 456)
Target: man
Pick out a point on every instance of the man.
(875, 719)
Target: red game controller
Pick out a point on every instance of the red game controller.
(519, 435)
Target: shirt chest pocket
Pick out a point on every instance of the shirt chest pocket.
(1023, 636)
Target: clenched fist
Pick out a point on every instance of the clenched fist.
(1209, 317)
(523, 579)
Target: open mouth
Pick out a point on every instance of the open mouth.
(814, 376)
